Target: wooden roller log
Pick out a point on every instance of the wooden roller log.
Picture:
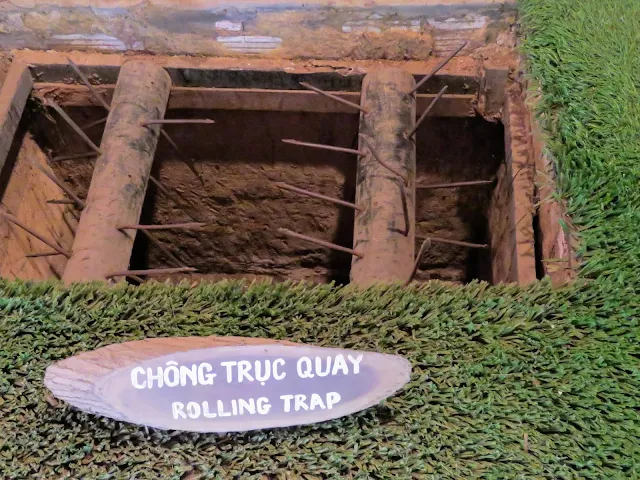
(385, 226)
(121, 174)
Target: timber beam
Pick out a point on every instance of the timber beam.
(255, 99)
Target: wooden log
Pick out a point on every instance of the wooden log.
(385, 227)
(13, 98)
(121, 174)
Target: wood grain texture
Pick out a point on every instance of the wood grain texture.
(121, 174)
(384, 230)
(13, 98)
(98, 382)
(255, 99)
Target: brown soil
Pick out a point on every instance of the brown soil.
(24, 194)
(5, 62)
(242, 154)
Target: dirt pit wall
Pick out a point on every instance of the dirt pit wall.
(24, 193)
(239, 158)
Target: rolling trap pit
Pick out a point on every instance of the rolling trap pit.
(236, 184)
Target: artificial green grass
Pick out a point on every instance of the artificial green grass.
(491, 365)
(585, 57)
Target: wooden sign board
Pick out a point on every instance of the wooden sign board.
(224, 384)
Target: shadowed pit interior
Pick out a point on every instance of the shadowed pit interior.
(239, 158)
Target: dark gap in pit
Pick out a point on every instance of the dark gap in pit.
(140, 253)
(242, 154)
(246, 78)
(537, 240)
(12, 155)
(452, 149)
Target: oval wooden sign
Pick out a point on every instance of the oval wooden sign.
(224, 384)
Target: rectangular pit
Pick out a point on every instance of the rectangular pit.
(243, 208)
(241, 156)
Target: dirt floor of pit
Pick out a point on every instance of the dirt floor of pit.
(241, 156)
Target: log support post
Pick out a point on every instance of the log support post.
(120, 177)
(385, 224)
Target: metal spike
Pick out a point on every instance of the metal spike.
(333, 97)
(426, 78)
(317, 241)
(286, 186)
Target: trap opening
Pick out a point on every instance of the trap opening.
(239, 159)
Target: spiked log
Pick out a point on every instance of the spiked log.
(121, 174)
(385, 226)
